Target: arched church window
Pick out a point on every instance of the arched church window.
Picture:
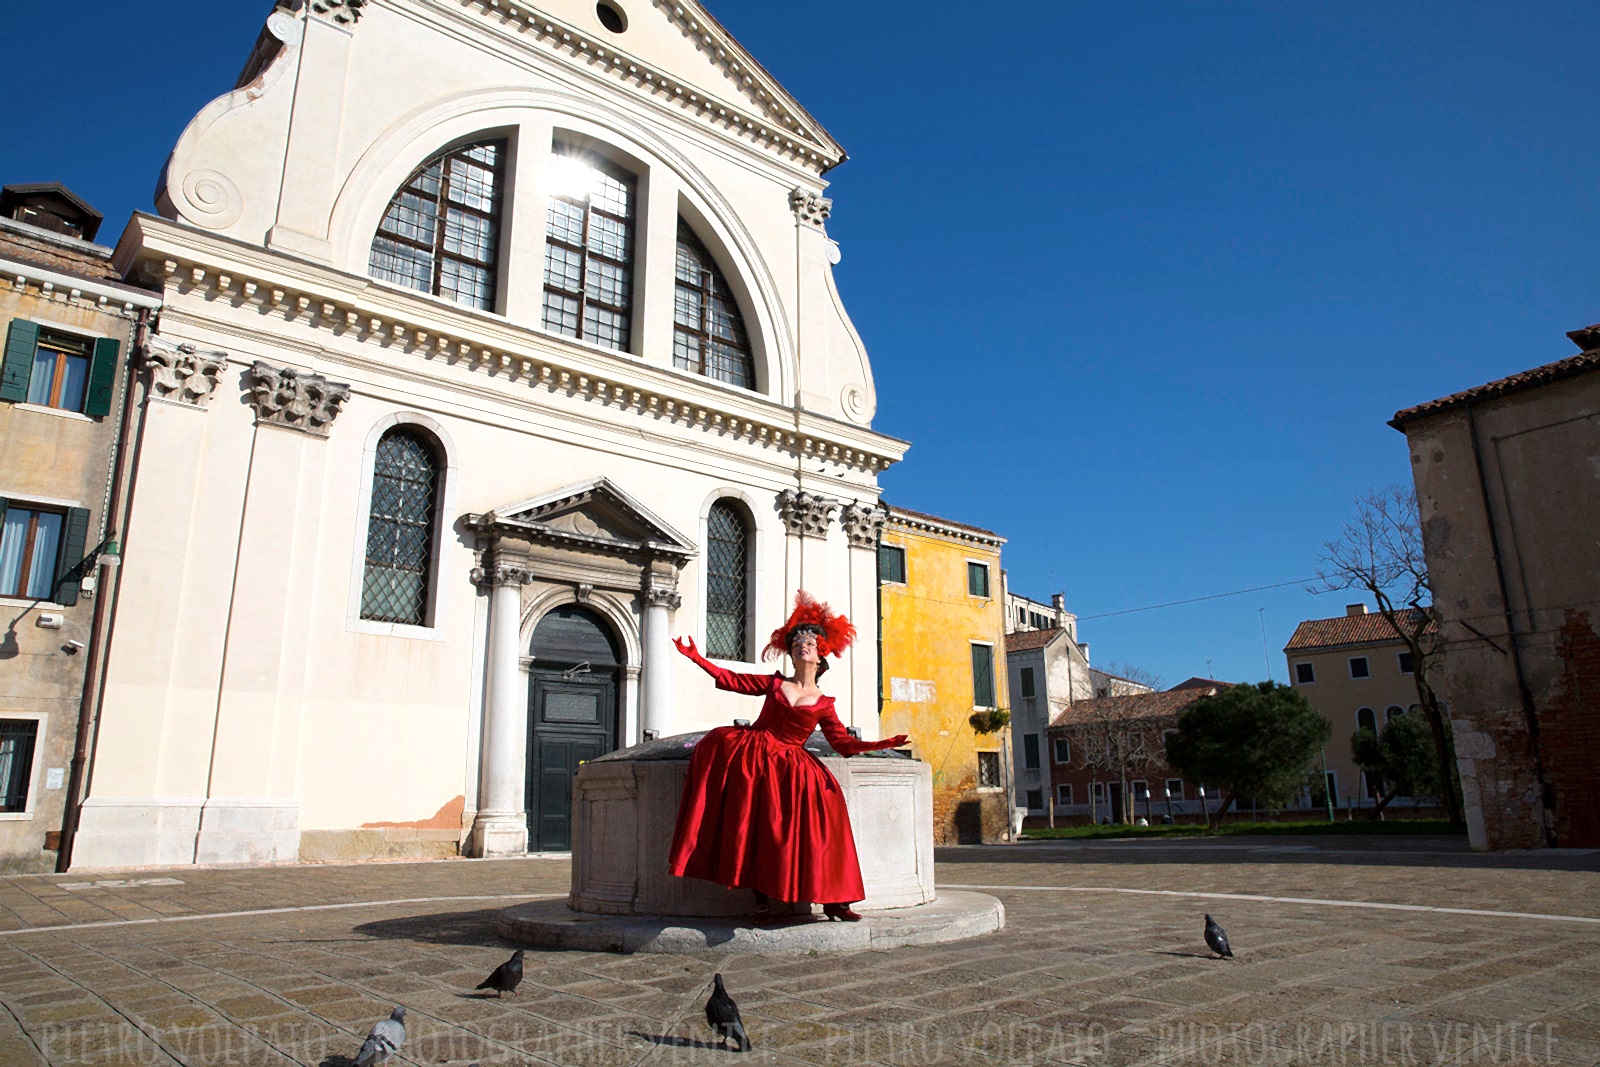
(400, 528)
(727, 582)
(441, 234)
(709, 336)
(588, 258)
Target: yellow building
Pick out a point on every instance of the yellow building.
(942, 653)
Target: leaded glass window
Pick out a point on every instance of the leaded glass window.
(441, 233)
(727, 582)
(709, 336)
(588, 251)
(400, 528)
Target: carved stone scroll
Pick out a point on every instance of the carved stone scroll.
(183, 374)
(809, 208)
(806, 514)
(862, 524)
(283, 396)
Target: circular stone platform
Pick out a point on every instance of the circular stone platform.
(551, 924)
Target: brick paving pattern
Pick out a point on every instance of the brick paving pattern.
(158, 967)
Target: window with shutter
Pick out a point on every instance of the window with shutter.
(32, 551)
(75, 535)
(1030, 752)
(22, 339)
(891, 564)
(17, 737)
(983, 676)
(978, 579)
(102, 377)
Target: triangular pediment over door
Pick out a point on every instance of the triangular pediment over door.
(595, 515)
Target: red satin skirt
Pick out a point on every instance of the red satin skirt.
(761, 813)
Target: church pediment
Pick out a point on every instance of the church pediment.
(594, 514)
(678, 53)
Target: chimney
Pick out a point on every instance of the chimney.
(1352, 610)
(1058, 601)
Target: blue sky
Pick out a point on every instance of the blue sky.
(1141, 283)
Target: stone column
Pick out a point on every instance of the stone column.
(806, 517)
(501, 825)
(659, 599)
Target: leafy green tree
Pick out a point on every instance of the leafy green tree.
(1249, 740)
(1402, 759)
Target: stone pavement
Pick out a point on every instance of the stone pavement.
(1349, 951)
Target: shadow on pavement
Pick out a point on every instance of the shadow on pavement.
(675, 1041)
(443, 928)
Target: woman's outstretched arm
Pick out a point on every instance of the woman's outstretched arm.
(732, 681)
(846, 745)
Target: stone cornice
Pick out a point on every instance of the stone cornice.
(398, 325)
(81, 292)
(950, 530)
(774, 121)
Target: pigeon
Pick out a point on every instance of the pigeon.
(1216, 939)
(722, 1015)
(385, 1040)
(506, 977)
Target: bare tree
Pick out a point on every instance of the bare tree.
(1113, 734)
(1128, 672)
(1379, 551)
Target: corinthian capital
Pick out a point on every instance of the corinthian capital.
(283, 396)
(501, 574)
(660, 596)
(806, 514)
(183, 374)
(810, 208)
(862, 523)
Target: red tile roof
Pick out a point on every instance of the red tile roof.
(1200, 683)
(51, 256)
(1131, 706)
(1367, 629)
(1588, 360)
(1028, 640)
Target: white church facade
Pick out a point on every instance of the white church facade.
(500, 344)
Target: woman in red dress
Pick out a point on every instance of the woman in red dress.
(759, 812)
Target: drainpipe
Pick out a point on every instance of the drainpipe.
(1529, 712)
(106, 586)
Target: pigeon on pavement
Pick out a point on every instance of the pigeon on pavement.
(722, 1015)
(1216, 939)
(506, 977)
(386, 1038)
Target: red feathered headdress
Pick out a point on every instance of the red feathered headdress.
(834, 631)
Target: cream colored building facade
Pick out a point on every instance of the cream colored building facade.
(1355, 671)
(254, 710)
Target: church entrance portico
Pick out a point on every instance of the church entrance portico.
(585, 580)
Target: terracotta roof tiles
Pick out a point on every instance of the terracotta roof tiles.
(1028, 640)
(1367, 629)
(1583, 362)
(1165, 705)
(50, 256)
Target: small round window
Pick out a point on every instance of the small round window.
(611, 16)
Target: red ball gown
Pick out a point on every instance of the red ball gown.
(759, 811)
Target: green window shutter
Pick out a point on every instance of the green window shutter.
(73, 535)
(21, 341)
(983, 676)
(102, 377)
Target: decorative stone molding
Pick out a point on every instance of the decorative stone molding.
(810, 208)
(862, 523)
(806, 514)
(183, 374)
(502, 574)
(583, 591)
(505, 360)
(283, 396)
(773, 120)
(344, 12)
(661, 596)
